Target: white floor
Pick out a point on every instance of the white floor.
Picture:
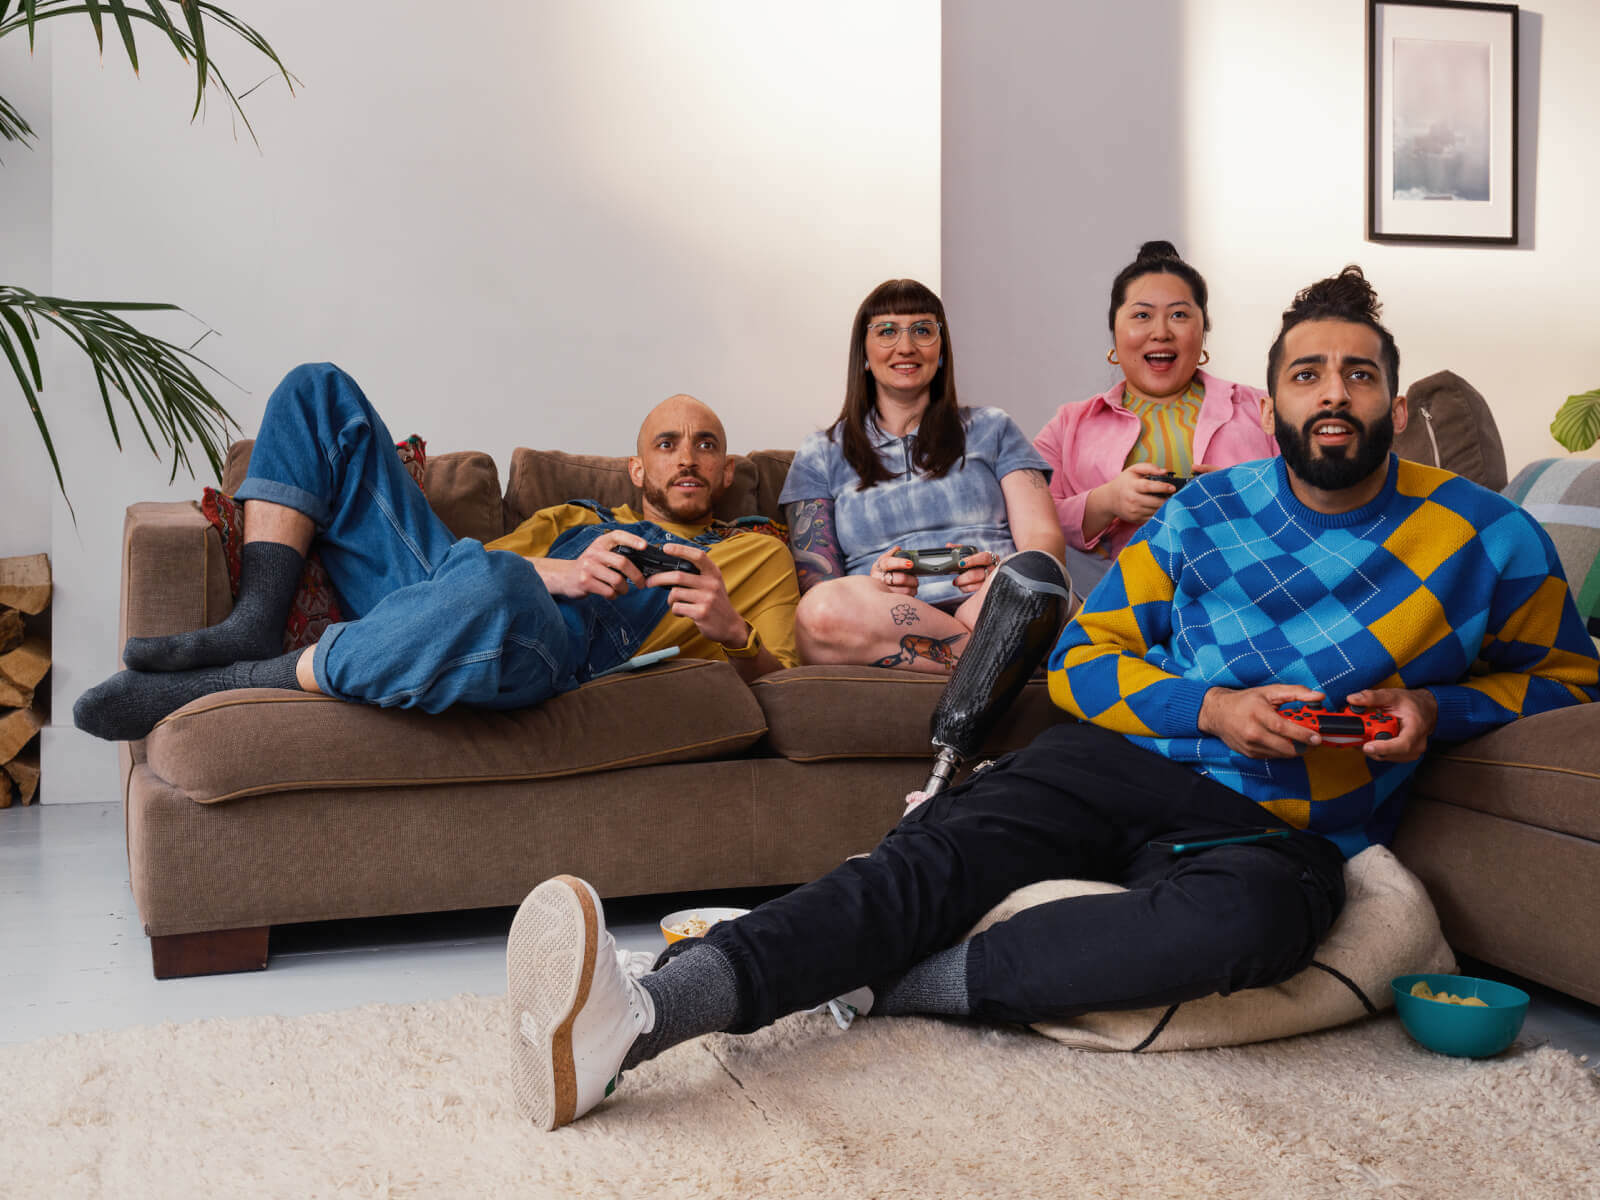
(73, 957)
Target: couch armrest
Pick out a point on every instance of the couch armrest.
(173, 574)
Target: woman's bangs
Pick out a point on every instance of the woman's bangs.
(901, 296)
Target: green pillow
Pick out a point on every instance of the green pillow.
(1563, 495)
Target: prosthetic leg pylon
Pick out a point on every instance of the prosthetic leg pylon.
(1028, 603)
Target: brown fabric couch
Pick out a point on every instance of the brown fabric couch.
(257, 808)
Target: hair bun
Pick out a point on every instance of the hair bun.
(1347, 291)
(1156, 251)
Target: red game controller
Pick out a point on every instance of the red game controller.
(1350, 726)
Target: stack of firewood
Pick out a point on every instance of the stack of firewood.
(24, 661)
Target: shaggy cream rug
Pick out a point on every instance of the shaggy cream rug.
(413, 1101)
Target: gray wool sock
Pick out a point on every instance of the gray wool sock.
(269, 576)
(937, 984)
(694, 993)
(128, 705)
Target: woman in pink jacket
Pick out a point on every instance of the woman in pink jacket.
(1165, 416)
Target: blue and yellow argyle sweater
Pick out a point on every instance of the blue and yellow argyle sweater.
(1437, 583)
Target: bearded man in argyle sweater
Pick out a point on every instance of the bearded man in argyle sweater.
(1334, 574)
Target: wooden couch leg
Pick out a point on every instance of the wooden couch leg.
(215, 952)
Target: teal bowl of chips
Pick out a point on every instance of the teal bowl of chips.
(1482, 1018)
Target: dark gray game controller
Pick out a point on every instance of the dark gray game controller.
(1177, 481)
(653, 561)
(940, 560)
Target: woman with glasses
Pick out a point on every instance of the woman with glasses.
(1164, 416)
(906, 468)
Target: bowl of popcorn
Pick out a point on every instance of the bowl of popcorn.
(693, 922)
(1460, 1014)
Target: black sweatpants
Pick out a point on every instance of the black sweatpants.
(1078, 803)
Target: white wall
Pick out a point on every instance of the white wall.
(1064, 149)
(1277, 199)
(516, 223)
(25, 477)
(1236, 128)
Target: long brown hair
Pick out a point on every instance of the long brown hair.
(941, 437)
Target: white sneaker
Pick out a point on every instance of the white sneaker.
(576, 1004)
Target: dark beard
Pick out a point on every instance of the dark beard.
(1344, 468)
(663, 498)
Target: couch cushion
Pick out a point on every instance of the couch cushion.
(463, 488)
(1563, 495)
(772, 468)
(817, 713)
(544, 478)
(244, 743)
(1540, 770)
(1387, 928)
(1451, 427)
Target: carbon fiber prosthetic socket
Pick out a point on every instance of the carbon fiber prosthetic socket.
(1028, 602)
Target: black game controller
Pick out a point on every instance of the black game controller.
(1176, 481)
(941, 560)
(652, 561)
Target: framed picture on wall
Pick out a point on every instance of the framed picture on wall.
(1441, 122)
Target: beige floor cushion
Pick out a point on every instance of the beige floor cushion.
(1388, 928)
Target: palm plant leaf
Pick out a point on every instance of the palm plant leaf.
(155, 377)
(119, 11)
(188, 39)
(13, 126)
(1577, 422)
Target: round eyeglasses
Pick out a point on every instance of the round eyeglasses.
(887, 333)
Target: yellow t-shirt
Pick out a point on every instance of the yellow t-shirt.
(756, 567)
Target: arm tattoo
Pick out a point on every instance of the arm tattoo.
(1036, 478)
(812, 542)
(936, 650)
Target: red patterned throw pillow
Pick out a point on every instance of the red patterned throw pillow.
(314, 607)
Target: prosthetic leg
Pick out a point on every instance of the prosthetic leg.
(1028, 602)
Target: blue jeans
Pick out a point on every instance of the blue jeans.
(437, 620)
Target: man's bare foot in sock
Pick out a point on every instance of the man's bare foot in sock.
(130, 704)
(269, 576)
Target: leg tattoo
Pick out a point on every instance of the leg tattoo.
(914, 646)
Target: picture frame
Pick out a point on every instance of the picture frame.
(1442, 122)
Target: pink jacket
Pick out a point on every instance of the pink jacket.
(1088, 442)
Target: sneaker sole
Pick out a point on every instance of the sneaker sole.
(550, 960)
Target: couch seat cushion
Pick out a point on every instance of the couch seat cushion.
(817, 713)
(244, 743)
(1541, 770)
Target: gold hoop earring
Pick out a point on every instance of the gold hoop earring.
(1111, 357)
(1205, 357)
